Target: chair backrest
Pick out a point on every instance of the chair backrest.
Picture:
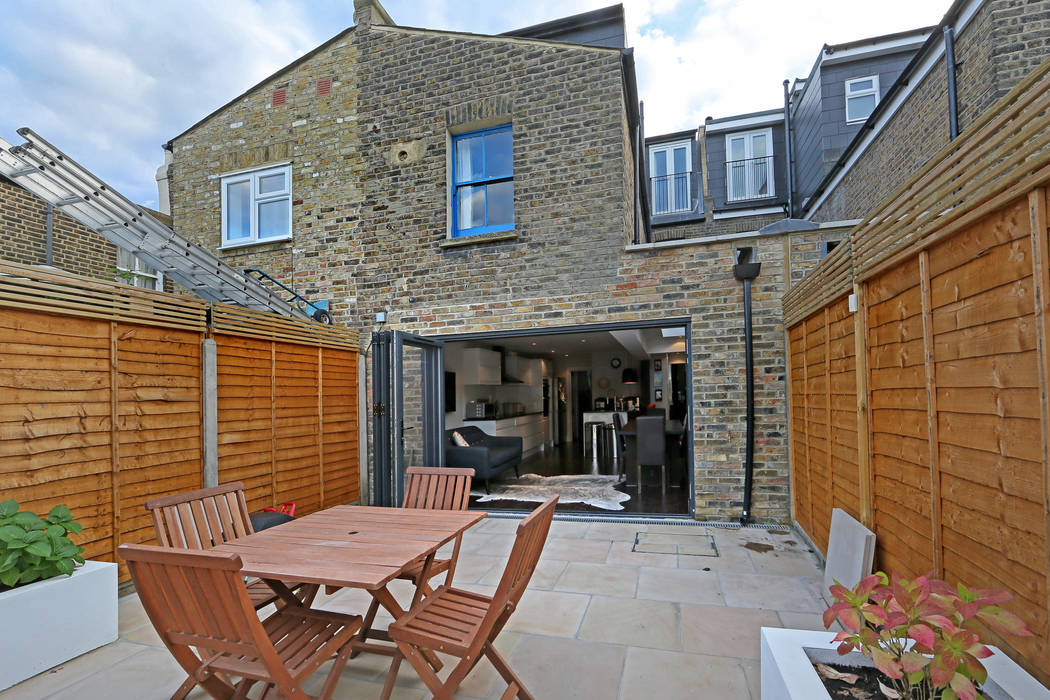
(651, 439)
(437, 488)
(198, 599)
(201, 519)
(656, 411)
(528, 546)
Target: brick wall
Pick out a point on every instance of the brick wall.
(23, 233)
(371, 214)
(1001, 44)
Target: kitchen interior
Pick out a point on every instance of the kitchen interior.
(540, 388)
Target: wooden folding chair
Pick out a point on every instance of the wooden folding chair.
(199, 605)
(433, 488)
(465, 624)
(201, 519)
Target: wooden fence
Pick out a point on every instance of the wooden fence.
(924, 413)
(101, 406)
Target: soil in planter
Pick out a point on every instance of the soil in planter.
(866, 687)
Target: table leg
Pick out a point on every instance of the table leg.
(289, 598)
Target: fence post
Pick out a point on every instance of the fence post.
(210, 412)
(931, 409)
(860, 364)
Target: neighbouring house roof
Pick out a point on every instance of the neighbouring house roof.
(887, 104)
(602, 27)
(744, 121)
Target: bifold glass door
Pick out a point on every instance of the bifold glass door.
(407, 411)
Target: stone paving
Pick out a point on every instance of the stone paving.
(598, 621)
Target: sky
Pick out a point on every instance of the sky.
(109, 81)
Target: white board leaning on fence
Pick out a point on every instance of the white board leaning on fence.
(851, 551)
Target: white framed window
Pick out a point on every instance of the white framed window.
(749, 165)
(133, 271)
(670, 177)
(862, 94)
(257, 206)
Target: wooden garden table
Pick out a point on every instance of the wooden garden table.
(350, 546)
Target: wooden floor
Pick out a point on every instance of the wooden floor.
(566, 459)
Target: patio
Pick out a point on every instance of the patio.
(629, 624)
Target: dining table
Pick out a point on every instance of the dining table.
(347, 546)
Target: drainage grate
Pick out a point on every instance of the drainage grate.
(637, 520)
(668, 543)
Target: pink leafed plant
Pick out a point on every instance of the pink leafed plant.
(919, 632)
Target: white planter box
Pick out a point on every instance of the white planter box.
(788, 673)
(49, 622)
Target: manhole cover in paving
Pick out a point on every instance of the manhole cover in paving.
(662, 543)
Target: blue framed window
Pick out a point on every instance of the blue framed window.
(483, 181)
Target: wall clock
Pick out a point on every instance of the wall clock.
(615, 362)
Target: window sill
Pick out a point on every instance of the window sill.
(478, 239)
(248, 244)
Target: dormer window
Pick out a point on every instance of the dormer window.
(862, 95)
(749, 165)
(671, 177)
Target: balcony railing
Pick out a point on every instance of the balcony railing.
(672, 194)
(750, 178)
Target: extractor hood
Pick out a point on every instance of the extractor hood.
(509, 372)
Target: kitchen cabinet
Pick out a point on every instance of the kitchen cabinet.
(480, 366)
(532, 429)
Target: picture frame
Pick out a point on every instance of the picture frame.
(658, 365)
(658, 394)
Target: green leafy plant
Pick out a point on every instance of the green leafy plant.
(33, 548)
(920, 633)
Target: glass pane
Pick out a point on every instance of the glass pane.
(661, 201)
(273, 219)
(501, 203)
(859, 107)
(125, 260)
(759, 180)
(659, 163)
(736, 181)
(271, 183)
(469, 159)
(471, 207)
(680, 160)
(736, 148)
(858, 85)
(499, 154)
(759, 146)
(238, 211)
(681, 191)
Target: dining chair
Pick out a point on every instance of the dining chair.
(430, 488)
(620, 444)
(651, 447)
(201, 519)
(465, 624)
(200, 607)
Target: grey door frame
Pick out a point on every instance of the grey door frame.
(388, 410)
(685, 321)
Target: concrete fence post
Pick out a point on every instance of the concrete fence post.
(209, 389)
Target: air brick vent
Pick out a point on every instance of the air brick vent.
(279, 96)
(324, 87)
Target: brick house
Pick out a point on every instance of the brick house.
(340, 175)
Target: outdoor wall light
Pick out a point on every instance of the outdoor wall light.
(629, 376)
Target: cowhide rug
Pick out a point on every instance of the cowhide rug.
(594, 490)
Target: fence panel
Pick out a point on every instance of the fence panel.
(101, 403)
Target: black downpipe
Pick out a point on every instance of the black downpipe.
(949, 60)
(745, 271)
(790, 156)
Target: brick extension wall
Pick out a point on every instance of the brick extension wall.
(370, 218)
(23, 226)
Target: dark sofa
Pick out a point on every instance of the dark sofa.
(487, 455)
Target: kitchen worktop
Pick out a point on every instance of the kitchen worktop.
(489, 420)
